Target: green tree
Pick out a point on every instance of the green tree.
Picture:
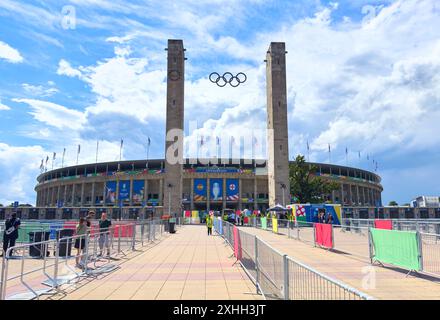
(393, 203)
(305, 185)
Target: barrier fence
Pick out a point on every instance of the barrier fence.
(355, 238)
(44, 267)
(278, 276)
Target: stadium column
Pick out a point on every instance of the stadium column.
(131, 192)
(224, 194)
(192, 194)
(277, 133)
(172, 188)
(82, 193)
(73, 195)
(240, 200)
(255, 193)
(92, 199)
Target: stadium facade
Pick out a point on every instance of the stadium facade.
(217, 186)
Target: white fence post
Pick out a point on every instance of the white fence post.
(286, 277)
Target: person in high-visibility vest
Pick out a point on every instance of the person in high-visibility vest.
(209, 223)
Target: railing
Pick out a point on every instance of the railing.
(44, 267)
(278, 276)
(420, 225)
(353, 238)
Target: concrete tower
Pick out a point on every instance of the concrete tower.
(277, 133)
(172, 186)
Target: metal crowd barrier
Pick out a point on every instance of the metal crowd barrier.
(277, 276)
(353, 238)
(431, 226)
(43, 268)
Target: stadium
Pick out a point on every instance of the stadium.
(242, 185)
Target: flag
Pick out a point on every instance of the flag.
(42, 165)
(122, 143)
(201, 141)
(149, 141)
(47, 159)
(54, 156)
(218, 140)
(79, 148)
(359, 153)
(308, 147)
(346, 150)
(329, 148)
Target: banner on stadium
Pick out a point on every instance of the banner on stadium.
(200, 190)
(383, 224)
(232, 190)
(399, 248)
(323, 235)
(124, 190)
(216, 186)
(263, 223)
(274, 225)
(138, 191)
(110, 192)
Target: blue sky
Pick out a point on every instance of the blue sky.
(362, 75)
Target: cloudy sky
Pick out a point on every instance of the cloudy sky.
(362, 76)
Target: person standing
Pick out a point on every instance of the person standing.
(11, 233)
(209, 223)
(80, 242)
(104, 233)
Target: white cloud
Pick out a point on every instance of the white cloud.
(64, 68)
(4, 107)
(9, 54)
(54, 115)
(40, 90)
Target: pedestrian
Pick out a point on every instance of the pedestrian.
(104, 233)
(89, 218)
(209, 223)
(10, 234)
(80, 242)
(329, 219)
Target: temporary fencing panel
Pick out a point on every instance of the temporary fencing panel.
(126, 231)
(399, 248)
(274, 225)
(383, 224)
(237, 244)
(323, 234)
(263, 223)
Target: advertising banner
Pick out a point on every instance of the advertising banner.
(200, 190)
(323, 234)
(124, 190)
(138, 191)
(195, 214)
(399, 248)
(383, 224)
(110, 192)
(187, 214)
(237, 244)
(263, 223)
(274, 225)
(232, 190)
(216, 186)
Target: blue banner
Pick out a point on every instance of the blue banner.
(199, 189)
(110, 192)
(216, 186)
(232, 190)
(138, 191)
(124, 190)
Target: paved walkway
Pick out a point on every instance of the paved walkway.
(390, 283)
(185, 265)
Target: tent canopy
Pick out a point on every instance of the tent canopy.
(278, 208)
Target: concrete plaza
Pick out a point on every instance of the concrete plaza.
(184, 265)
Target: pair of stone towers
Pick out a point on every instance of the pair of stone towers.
(277, 129)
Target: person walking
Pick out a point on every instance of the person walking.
(209, 223)
(329, 219)
(80, 242)
(10, 234)
(104, 233)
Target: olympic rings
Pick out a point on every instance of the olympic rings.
(174, 75)
(227, 77)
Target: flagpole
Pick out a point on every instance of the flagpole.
(148, 150)
(120, 150)
(77, 154)
(62, 160)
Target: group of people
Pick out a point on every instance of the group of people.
(323, 218)
(82, 230)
